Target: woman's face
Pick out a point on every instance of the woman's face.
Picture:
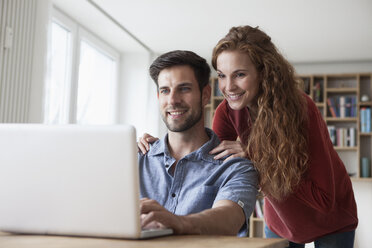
(237, 79)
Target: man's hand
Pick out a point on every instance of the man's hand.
(153, 215)
(232, 148)
(209, 221)
(144, 141)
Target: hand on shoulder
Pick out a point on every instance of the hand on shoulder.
(145, 141)
(232, 149)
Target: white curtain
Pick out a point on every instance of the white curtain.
(138, 104)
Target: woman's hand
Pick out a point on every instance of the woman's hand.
(145, 141)
(232, 148)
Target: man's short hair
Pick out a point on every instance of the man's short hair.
(175, 58)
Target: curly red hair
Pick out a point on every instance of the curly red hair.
(277, 144)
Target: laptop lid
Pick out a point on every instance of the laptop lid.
(69, 180)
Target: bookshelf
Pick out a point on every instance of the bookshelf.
(343, 97)
(351, 95)
(215, 100)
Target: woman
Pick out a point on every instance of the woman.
(308, 193)
(268, 119)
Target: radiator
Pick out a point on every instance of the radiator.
(17, 23)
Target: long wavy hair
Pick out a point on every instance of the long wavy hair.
(277, 144)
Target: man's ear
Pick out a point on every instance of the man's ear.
(206, 94)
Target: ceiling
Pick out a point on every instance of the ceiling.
(305, 31)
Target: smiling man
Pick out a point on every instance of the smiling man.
(182, 186)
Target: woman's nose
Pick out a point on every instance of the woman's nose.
(229, 84)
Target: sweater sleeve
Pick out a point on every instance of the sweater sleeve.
(317, 190)
(222, 125)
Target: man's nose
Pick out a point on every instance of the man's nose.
(174, 98)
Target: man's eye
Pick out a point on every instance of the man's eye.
(164, 91)
(240, 75)
(185, 88)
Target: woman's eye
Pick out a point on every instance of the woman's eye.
(220, 75)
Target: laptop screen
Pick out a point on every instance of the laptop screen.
(69, 180)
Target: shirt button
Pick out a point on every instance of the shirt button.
(167, 165)
(173, 195)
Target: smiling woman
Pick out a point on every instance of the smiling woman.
(238, 79)
(281, 130)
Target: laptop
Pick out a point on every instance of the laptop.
(70, 180)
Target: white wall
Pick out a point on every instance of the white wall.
(333, 67)
(138, 103)
(363, 196)
(362, 190)
(43, 12)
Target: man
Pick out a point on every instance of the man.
(182, 186)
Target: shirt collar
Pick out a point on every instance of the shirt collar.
(160, 147)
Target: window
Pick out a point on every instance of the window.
(82, 76)
(57, 88)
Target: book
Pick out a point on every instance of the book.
(352, 132)
(217, 91)
(368, 119)
(332, 107)
(258, 209)
(366, 167)
(363, 120)
(332, 134)
(318, 92)
(306, 85)
(342, 106)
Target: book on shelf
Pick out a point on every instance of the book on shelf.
(217, 91)
(365, 119)
(318, 92)
(332, 107)
(306, 85)
(368, 119)
(365, 167)
(342, 106)
(342, 136)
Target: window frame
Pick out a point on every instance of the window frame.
(79, 34)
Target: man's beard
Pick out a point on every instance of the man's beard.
(187, 124)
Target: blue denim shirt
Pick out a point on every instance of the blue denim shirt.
(198, 181)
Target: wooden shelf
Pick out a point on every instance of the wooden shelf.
(342, 90)
(361, 179)
(338, 148)
(218, 98)
(257, 219)
(365, 104)
(365, 134)
(338, 119)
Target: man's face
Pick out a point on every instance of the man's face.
(179, 97)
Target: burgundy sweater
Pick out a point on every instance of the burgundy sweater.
(323, 202)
